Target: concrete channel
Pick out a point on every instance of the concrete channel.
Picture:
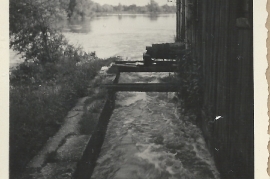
(87, 164)
(171, 140)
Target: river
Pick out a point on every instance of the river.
(118, 35)
(123, 35)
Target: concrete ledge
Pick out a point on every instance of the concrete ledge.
(87, 164)
(68, 148)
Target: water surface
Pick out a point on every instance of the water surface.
(148, 137)
(122, 35)
(117, 35)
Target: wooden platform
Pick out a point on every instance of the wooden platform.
(143, 87)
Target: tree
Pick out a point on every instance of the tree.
(33, 28)
(107, 8)
(142, 9)
(153, 7)
(119, 7)
(132, 8)
(168, 9)
(82, 8)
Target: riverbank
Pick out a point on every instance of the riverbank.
(61, 154)
(39, 103)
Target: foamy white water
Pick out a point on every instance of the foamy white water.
(147, 138)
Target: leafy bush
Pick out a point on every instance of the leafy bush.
(189, 75)
(40, 98)
(47, 85)
(33, 32)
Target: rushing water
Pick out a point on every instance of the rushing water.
(148, 137)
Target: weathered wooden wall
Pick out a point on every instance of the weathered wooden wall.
(220, 35)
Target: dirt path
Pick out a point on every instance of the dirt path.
(146, 138)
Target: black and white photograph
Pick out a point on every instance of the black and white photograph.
(135, 89)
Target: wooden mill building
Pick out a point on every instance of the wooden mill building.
(219, 35)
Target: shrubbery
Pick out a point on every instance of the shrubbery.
(190, 79)
(40, 97)
(47, 85)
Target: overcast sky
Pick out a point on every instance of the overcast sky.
(137, 2)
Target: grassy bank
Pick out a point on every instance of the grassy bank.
(40, 98)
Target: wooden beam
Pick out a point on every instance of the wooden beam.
(143, 87)
(168, 62)
(123, 62)
(151, 68)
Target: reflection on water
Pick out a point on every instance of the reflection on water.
(84, 26)
(153, 17)
(76, 26)
(119, 17)
(124, 35)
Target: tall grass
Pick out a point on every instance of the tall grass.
(40, 97)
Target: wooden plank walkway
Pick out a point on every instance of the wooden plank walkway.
(143, 87)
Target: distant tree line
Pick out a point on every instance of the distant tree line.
(84, 8)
